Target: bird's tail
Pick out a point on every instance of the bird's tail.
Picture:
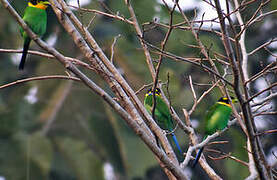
(197, 157)
(176, 142)
(24, 54)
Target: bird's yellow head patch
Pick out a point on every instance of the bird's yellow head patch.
(39, 4)
(150, 92)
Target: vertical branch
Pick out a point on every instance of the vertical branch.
(235, 60)
(244, 64)
(139, 33)
(242, 42)
(160, 62)
(251, 163)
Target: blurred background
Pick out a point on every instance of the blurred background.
(60, 130)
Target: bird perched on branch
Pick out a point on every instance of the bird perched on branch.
(216, 119)
(36, 18)
(162, 113)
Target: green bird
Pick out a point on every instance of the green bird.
(36, 18)
(216, 119)
(162, 113)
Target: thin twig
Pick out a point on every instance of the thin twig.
(112, 47)
(267, 132)
(114, 16)
(226, 155)
(39, 78)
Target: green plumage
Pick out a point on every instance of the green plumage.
(162, 113)
(36, 19)
(216, 119)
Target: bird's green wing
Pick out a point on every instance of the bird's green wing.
(217, 118)
(164, 115)
(162, 106)
(148, 103)
(36, 19)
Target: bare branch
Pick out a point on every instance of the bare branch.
(114, 16)
(73, 60)
(225, 155)
(179, 58)
(39, 78)
(112, 47)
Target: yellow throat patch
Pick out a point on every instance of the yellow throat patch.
(225, 104)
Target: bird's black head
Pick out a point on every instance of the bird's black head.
(150, 92)
(225, 100)
(35, 2)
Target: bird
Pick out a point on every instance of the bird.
(35, 17)
(216, 119)
(162, 113)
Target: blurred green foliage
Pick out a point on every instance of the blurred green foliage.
(85, 133)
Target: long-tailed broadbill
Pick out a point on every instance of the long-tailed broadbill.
(36, 18)
(162, 113)
(216, 119)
